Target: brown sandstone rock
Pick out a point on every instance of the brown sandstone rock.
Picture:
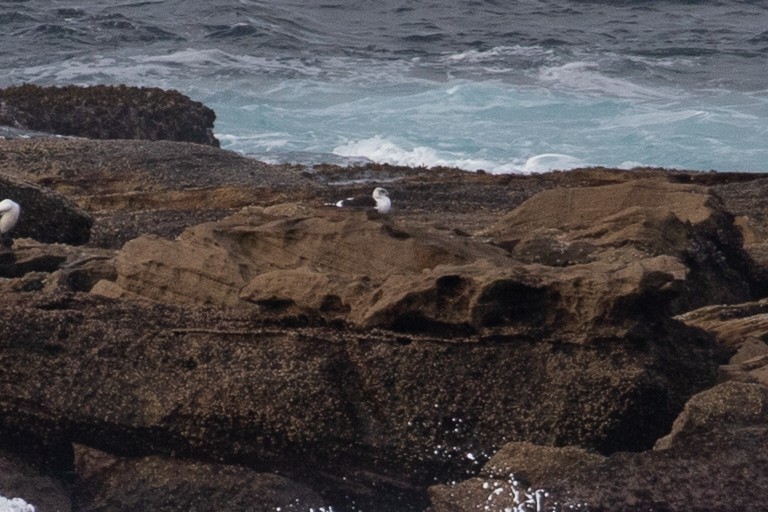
(741, 329)
(645, 261)
(732, 324)
(373, 273)
(108, 112)
(751, 348)
(109, 484)
(635, 221)
(270, 260)
(137, 187)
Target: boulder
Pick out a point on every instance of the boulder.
(110, 484)
(266, 256)
(714, 459)
(635, 221)
(108, 112)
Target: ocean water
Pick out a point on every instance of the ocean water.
(504, 86)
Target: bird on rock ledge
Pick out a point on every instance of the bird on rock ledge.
(9, 216)
(378, 200)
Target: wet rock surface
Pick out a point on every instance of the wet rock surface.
(502, 331)
(712, 460)
(142, 378)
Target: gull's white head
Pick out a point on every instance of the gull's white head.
(9, 215)
(381, 196)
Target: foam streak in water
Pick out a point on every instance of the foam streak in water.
(382, 150)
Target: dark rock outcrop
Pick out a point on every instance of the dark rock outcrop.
(75, 268)
(20, 479)
(109, 484)
(108, 112)
(514, 479)
(392, 412)
(714, 459)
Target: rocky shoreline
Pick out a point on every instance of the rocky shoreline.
(187, 329)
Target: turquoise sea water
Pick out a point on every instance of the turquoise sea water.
(518, 86)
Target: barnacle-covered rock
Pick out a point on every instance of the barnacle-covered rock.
(108, 112)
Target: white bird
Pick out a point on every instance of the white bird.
(9, 215)
(380, 201)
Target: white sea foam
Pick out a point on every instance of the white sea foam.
(587, 78)
(514, 497)
(500, 51)
(382, 150)
(550, 162)
(265, 141)
(15, 505)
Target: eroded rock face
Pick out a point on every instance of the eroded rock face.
(637, 262)
(74, 268)
(376, 411)
(714, 459)
(733, 324)
(636, 221)
(746, 201)
(108, 112)
(741, 330)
